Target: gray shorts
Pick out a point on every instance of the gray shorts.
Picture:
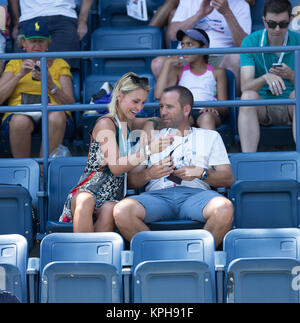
(175, 203)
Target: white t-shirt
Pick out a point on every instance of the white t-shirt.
(36, 8)
(200, 147)
(215, 24)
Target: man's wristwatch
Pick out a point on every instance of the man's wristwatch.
(204, 175)
(53, 91)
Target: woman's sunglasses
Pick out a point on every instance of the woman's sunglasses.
(143, 81)
(273, 24)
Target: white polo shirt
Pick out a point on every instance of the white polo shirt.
(215, 24)
(200, 147)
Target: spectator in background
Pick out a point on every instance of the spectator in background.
(163, 16)
(193, 71)
(201, 160)
(226, 22)
(261, 79)
(20, 84)
(66, 30)
(295, 23)
(3, 13)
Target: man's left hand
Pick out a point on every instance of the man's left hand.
(188, 173)
(284, 71)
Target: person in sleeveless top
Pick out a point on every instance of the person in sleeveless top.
(90, 203)
(193, 72)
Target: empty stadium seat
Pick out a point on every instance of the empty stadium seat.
(266, 189)
(124, 38)
(20, 196)
(173, 266)
(63, 175)
(114, 13)
(81, 267)
(260, 263)
(13, 265)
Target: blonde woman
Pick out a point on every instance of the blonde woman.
(90, 204)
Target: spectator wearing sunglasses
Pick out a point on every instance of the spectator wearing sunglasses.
(90, 204)
(267, 75)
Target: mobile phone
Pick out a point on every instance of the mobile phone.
(174, 178)
(37, 68)
(276, 65)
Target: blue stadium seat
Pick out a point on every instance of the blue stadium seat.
(173, 266)
(266, 189)
(256, 15)
(81, 267)
(19, 196)
(113, 13)
(260, 263)
(13, 265)
(63, 175)
(124, 38)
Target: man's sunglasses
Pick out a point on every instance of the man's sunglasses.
(143, 81)
(273, 24)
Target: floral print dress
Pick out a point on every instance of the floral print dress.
(97, 179)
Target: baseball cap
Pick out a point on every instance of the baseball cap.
(193, 33)
(35, 28)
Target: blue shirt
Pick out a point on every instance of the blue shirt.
(257, 60)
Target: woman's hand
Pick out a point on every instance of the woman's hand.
(27, 67)
(161, 143)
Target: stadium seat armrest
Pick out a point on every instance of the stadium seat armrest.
(33, 268)
(220, 263)
(126, 277)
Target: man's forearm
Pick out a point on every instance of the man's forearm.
(237, 32)
(138, 179)
(220, 178)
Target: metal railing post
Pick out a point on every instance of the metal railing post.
(45, 132)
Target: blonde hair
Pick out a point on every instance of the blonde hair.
(125, 84)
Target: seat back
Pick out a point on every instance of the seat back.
(13, 265)
(80, 254)
(261, 243)
(260, 263)
(19, 188)
(266, 189)
(114, 13)
(63, 175)
(22, 171)
(163, 261)
(124, 38)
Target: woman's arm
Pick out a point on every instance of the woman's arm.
(168, 76)
(64, 94)
(104, 132)
(9, 80)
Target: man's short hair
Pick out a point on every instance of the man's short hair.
(185, 95)
(277, 6)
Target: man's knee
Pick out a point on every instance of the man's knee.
(220, 210)
(249, 95)
(126, 210)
